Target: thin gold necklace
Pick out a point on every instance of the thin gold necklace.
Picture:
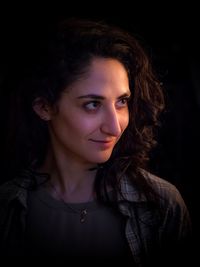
(82, 212)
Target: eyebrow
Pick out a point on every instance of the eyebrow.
(99, 97)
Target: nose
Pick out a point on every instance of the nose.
(111, 123)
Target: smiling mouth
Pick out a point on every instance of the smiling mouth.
(103, 144)
(102, 141)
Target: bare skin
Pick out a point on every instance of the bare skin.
(92, 115)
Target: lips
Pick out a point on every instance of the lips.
(103, 144)
(102, 141)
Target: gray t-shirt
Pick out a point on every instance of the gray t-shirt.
(54, 230)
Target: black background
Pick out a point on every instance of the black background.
(170, 35)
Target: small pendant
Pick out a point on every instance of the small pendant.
(83, 215)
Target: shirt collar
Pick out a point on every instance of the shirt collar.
(129, 192)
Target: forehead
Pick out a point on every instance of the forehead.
(103, 74)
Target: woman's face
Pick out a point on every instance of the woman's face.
(92, 113)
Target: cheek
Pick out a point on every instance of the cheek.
(124, 121)
(83, 126)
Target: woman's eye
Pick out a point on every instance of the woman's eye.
(123, 102)
(91, 106)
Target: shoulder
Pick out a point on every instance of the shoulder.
(162, 188)
(171, 203)
(165, 189)
(9, 191)
(167, 195)
(14, 189)
(18, 187)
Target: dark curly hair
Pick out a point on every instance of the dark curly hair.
(63, 57)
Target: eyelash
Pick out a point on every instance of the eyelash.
(126, 99)
(90, 109)
(96, 104)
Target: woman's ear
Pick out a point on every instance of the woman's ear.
(42, 108)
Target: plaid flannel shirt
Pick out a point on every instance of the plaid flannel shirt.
(147, 233)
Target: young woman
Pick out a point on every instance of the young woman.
(83, 119)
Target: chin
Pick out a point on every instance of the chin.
(100, 160)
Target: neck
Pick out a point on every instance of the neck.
(73, 182)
